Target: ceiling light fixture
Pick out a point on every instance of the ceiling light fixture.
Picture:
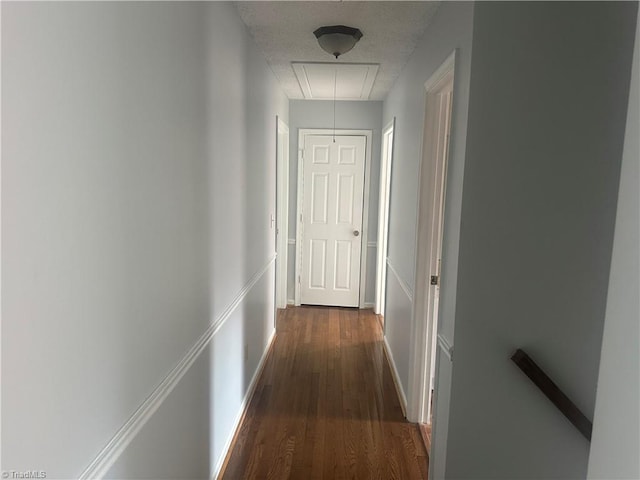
(337, 39)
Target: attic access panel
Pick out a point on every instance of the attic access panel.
(352, 81)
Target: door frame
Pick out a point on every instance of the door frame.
(384, 196)
(424, 332)
(302, 134)
(282, 210)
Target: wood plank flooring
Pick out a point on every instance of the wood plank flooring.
(425, 433)
(325, 406)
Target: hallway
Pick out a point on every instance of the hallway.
(152, 204)
(326, 405)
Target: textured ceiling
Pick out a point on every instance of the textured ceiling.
(284, 34)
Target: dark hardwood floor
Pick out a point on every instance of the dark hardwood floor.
(325, 406)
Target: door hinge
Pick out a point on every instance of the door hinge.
(434, 279)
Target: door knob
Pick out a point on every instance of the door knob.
(356, 233)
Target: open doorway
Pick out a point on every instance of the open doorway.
(282, 211)
(431, 207)
(384, 197)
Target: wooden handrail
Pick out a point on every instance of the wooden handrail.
(553, 392)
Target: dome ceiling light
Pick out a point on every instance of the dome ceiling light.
(337, 39)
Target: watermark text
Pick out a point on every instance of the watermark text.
(14, 474)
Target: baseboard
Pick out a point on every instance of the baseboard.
(221, 465)
(396, 377)
(368, 305)
(110, 453)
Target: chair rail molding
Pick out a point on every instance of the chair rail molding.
(101, 464)
(445, 346)
(405, 287)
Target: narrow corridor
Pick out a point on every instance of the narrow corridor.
(326, 405)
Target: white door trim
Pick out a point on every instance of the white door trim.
(422, 330)
(386, 160)
(302, 133)
(282, 212)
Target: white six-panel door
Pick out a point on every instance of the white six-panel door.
(333, 187)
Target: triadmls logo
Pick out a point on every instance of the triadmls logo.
(11, 474)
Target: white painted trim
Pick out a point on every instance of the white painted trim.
(291, 241)
(367, 86)
(291, 301)
(405, 288)
(396, 377)
(300, 71)
(445, 346)
(369, 304)
(443, 70)
(299, 224)
(422, 333)
(243, 406)
(303, 79)
(384, 190)
(365, 214)
(372, 245)
(282, 211)
(101, 464)
(368, 134)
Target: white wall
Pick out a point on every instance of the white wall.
(450, 29)
(616, 434)
(547, 111)
(138, 162)
(353, 115)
